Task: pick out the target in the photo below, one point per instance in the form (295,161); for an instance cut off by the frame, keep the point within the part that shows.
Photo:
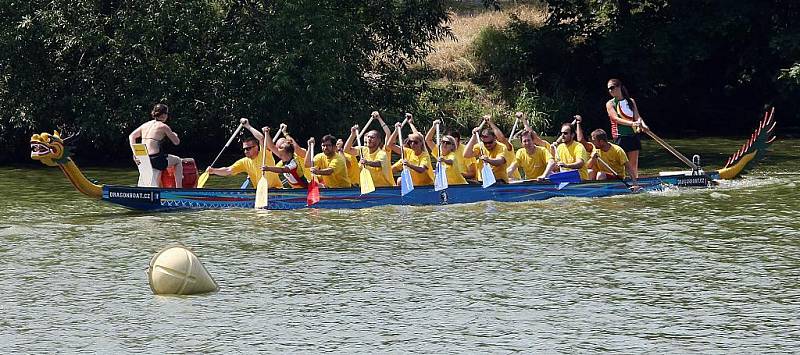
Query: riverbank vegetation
(696,68)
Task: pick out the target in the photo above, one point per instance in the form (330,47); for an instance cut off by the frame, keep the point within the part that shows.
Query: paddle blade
(406,185)
(366,183)
(572,176)
(262,193)
(441,178)
(488,175)
(202,180)
(313,193)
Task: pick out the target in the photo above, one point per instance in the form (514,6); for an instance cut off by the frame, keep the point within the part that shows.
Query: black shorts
(159,161)
(629,143)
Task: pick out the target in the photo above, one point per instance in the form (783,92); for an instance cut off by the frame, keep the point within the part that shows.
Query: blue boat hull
(159,199)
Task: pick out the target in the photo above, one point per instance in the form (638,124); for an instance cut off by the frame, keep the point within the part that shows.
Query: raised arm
(473,139)
(498,133)
(256,134)
(578,130)
(268,139)
(348,145)
(300,151)
(384,126)
(430,134)
(389,141)
(307,160)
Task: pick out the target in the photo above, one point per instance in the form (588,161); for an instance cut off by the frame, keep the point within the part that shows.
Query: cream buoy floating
(175,270)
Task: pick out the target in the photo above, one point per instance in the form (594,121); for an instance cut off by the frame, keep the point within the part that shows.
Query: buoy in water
(175,270)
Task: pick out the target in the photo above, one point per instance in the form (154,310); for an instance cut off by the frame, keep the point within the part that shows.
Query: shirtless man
(152,133)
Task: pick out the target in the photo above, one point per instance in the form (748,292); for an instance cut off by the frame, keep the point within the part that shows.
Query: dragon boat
(52,150)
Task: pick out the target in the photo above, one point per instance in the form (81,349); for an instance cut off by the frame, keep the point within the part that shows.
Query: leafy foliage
(99,66)
(699,65)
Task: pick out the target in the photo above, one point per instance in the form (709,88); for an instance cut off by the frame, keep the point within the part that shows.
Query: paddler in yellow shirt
(536,162)
(513,174)
(467,165)
(329,164)
(416,157)
(353,170)
(373,157)
(449,156)
(494,155)
(252,161)
(614,159)
(571,153)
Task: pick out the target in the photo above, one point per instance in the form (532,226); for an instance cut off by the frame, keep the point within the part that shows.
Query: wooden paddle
(204,177)
(613,171)
(262,190)
(672,150)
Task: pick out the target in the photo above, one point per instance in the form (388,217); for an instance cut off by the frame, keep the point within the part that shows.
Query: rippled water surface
(713,270)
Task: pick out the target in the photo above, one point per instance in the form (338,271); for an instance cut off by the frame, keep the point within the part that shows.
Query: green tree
(99,66)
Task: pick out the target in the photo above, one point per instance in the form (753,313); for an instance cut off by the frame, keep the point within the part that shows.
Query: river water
(682,271)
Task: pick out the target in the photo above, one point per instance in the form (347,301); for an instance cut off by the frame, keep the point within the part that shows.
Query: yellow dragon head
(49,148)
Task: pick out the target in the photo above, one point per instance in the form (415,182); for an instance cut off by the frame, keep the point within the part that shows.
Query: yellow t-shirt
(615,157)
(463,163)
(569,154)
(453,172)
(306,171)
(353,169)
(510,159)
(424,159)
(533,165)
(339,176)
(253,169)
(498,151)
(381,176)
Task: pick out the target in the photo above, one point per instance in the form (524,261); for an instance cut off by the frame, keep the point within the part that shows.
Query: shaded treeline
(696,67)
(99,66)
(706,67)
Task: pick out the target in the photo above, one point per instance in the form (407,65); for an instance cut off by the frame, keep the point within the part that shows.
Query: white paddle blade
(406,185)
(441,178)
(488,175)
(262,193)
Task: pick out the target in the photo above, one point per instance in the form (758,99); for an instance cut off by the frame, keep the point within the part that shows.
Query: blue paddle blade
(488,175)
(406,185)
(572,176)
(441,178)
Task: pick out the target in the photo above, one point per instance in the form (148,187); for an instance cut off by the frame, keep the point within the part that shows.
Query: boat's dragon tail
(751,151)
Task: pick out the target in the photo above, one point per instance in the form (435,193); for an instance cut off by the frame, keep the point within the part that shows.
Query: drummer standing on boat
(152,134)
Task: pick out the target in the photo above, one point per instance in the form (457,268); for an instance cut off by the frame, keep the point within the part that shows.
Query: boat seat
(148,176)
